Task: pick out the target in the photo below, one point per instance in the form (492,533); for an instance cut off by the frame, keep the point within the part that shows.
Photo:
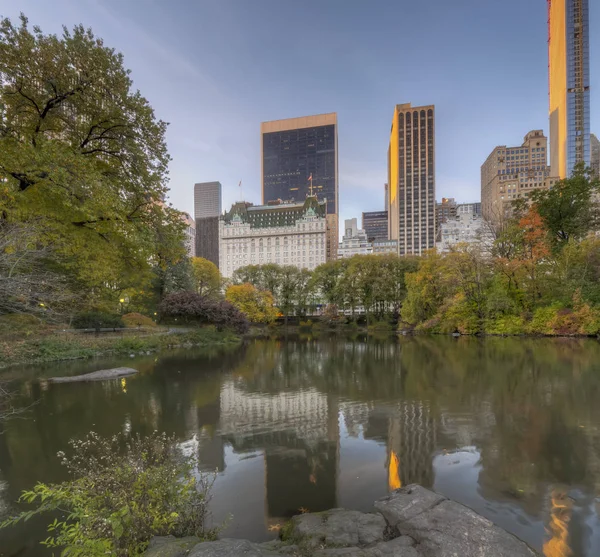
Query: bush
(20,324)
(133,320)
(505,325)
(97,320)
(123,492)
(191,308)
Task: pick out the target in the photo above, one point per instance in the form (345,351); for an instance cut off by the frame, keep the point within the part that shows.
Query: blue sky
(215,69)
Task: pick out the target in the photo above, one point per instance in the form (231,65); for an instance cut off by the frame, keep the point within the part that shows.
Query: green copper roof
(269,216)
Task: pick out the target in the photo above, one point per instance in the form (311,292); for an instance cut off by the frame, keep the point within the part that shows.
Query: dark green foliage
(97,320)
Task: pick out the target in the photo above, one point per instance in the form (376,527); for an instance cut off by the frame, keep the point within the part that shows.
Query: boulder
(406,503)
(443,528)
(100,375)
(338,528)
(231,548)
(170,546)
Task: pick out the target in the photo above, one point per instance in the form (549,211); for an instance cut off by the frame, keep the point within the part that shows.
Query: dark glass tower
(300,155)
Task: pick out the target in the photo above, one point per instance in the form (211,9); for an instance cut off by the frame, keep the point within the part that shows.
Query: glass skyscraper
(300,155)
(569,84)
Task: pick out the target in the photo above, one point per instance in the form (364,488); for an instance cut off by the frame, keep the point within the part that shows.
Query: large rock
(444,528)
(100,375)
(402,546)
(338,528)
(406,503)
(231,548)
(170,546)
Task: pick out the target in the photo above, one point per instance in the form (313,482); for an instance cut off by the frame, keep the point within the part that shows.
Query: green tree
(570,209)
(326,280)
(82,153)
(206,276)
(258,305)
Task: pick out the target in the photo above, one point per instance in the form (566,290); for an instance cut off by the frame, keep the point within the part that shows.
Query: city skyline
(215,88)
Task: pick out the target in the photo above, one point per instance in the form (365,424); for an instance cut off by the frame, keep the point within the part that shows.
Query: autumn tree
(258,305)
(570,209)
(206,277)
(83,152)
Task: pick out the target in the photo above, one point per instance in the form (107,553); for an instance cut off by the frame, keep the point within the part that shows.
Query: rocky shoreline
(410,522)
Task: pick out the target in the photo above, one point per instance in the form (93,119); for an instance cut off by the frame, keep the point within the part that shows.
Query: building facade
(207,208)
(190,234)
(385,246)
(465,228)
(282,233)
(511,173)
(375,224)
(444,211)
(354,241)
(411,178)
(299,157)
(595,154)
(569,84)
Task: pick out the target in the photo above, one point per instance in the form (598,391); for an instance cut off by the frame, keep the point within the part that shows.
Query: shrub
(123,492)
(97,320)
(191,308)
(20,324)
(505,325)
(306,325)
(133,320)
(258,305)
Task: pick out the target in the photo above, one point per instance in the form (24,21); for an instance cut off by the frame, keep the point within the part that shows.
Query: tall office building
(511,173)
(569,84)
(375,224)
(411,178)
(299,157)
(207,209)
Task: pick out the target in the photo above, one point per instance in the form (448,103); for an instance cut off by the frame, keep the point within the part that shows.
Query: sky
(216,69)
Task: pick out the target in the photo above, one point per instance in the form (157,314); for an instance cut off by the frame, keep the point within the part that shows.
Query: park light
(122,300)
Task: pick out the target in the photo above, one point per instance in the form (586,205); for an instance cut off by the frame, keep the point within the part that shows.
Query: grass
(53,348)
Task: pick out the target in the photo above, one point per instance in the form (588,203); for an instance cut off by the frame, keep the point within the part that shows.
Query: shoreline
(65,347)
(79,346)
(409,522)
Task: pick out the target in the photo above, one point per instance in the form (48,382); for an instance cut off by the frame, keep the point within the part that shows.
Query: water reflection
(509,427)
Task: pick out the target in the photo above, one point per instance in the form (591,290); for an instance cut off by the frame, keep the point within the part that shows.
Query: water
(510,427)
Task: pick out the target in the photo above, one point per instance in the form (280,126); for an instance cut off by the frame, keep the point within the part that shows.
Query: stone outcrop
(101,375)
(410,522)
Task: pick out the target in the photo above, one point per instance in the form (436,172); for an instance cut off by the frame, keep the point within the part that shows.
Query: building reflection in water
(495,424)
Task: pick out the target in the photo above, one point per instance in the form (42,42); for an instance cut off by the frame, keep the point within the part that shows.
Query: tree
(82,152)
(191,308)
(570,209)
(258,305)
(28,282)
(206,276)
(326,281)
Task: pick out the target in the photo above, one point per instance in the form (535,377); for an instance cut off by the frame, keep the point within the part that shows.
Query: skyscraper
(207,208)
(411,178)
(375,224)
(569,84)
(299,157)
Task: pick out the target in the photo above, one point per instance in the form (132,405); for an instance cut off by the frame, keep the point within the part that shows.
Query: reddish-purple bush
(188,307)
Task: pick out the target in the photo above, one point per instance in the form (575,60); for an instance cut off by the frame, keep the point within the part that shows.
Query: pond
(509,427)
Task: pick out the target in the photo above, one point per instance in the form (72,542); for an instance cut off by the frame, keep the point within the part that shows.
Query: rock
(399,547)
(100,375)
(443,528)
(406,503)
(231,548)
(170,546)
(338,528)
